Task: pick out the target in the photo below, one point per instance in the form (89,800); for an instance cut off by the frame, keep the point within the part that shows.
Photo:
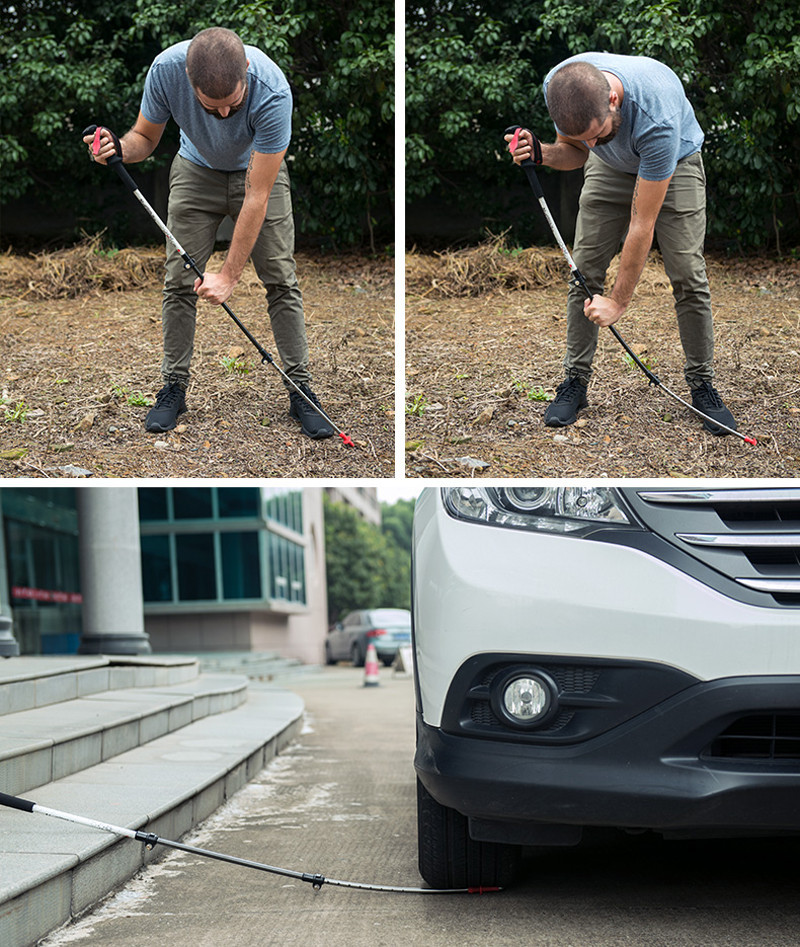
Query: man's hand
(602,310)
(528,146)
(109,145)
(214,287)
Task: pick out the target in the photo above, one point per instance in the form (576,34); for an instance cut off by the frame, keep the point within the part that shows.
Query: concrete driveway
(341,802)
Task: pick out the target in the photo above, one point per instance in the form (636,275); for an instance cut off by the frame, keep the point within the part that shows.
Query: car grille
(766,738)
(751,536)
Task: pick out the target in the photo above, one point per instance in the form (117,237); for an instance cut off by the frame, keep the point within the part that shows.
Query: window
(238,501)
(156,571)
(192,503)
(216,560)
(241,565)
(196,573)
(152,504)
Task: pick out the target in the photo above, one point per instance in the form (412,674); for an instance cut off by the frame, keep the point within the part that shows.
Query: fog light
(526,699)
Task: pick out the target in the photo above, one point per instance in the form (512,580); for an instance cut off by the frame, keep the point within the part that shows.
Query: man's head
(582,103)
(216,65)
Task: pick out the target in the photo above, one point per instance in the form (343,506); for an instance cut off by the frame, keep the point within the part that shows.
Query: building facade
(222,568)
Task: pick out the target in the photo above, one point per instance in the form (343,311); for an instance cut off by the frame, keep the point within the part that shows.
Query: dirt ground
(78,372)
(479,369)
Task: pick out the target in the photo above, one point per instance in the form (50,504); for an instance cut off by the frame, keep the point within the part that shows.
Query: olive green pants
(603,219)
(199,200)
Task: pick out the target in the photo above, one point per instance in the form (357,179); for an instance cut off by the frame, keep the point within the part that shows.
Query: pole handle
(14,802)
(528,165)
(115,162)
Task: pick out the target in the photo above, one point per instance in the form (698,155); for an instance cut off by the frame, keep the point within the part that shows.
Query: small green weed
(138,400)
(535,393)
(646,360)
(17,412)
(233,366)
(417,407)
(135,399)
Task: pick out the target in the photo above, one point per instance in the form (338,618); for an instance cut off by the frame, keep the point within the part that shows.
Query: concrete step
(257,665)
(49,742)
(39,681)
(51,870)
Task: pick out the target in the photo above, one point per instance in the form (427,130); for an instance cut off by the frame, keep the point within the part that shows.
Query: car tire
(328,659)
(449,858)
(356,656)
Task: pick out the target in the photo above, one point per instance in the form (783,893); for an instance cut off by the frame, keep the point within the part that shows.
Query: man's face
(602,132)
(223,108)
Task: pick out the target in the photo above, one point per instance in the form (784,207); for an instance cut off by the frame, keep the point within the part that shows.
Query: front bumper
(654,771)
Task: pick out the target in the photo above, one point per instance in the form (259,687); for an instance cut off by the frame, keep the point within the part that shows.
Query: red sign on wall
(46,595)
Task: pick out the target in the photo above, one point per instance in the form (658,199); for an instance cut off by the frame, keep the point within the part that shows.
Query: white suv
(624,657)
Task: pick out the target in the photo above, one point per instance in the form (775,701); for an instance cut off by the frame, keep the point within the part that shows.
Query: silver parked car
(387,628)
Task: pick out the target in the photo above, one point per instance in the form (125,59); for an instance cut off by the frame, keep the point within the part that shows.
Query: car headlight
(555,509)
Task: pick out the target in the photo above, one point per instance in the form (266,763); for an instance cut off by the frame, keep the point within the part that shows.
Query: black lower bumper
(652,772)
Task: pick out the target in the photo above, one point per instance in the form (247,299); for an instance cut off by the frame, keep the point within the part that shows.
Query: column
(111,571)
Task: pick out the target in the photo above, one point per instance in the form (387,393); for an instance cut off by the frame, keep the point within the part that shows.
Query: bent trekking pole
(150,840)
(578,280)
(115,161)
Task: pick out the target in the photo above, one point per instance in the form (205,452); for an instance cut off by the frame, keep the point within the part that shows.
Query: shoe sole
(159,429)
(558,422)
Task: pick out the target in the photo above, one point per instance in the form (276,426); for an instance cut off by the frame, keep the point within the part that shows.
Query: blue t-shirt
(263,124)
(658,127)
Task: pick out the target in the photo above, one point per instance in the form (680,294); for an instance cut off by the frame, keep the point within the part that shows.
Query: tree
(365,567)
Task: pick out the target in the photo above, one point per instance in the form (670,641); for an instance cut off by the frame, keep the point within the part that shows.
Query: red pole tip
(750,440)
(481,890)
(346,439)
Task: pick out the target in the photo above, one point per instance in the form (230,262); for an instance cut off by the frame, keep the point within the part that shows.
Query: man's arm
(648,196)
(137,144)
(566,154)
(259,180)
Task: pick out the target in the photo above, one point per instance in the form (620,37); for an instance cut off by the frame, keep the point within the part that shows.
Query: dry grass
(86,268)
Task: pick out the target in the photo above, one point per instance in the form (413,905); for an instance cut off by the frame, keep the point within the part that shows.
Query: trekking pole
(115,161)
(150,840)
(578,280)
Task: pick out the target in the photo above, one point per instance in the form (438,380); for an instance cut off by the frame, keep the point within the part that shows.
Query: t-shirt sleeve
(658,149)
(272,123)
(155,107)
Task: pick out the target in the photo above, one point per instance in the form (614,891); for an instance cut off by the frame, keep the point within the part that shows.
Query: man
(626,120)
(233,106)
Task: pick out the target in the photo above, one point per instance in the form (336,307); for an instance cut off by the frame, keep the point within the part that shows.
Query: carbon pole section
(578,280)
(188,263)
(150,840)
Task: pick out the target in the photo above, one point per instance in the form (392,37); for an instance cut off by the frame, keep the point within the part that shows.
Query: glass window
(152,503)
(156,572)
(196,574)
(238,501)
(192,503)
(241,565)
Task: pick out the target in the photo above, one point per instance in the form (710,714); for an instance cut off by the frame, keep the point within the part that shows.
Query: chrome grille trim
(779,586)
(742,540)
(767,495)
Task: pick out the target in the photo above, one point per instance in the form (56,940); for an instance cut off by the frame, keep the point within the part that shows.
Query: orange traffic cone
(371,672)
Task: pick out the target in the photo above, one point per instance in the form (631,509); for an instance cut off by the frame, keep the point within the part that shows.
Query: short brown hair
(577,95)
(216,62)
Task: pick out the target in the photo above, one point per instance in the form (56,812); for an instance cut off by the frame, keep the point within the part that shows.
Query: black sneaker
(170,403)
(313,423)
(570,398)
(706,399)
